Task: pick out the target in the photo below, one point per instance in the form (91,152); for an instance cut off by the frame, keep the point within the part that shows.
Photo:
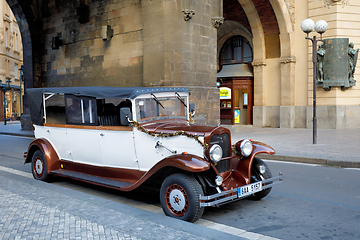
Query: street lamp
(5,87)
(307,26)
(21,71)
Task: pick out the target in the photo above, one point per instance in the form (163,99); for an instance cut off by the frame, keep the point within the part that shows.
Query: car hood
(173,126)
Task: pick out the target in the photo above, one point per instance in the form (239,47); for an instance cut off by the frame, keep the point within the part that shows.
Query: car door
(81,130)
(117,147)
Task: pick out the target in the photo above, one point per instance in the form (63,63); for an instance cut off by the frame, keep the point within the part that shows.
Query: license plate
(249,189)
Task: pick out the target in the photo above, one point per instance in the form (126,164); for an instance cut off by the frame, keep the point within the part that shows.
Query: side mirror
(192,108)
(125,116)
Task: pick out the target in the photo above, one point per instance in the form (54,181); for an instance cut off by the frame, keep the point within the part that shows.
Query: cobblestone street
(31,209)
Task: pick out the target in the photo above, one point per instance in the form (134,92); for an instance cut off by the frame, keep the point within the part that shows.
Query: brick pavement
(31,209)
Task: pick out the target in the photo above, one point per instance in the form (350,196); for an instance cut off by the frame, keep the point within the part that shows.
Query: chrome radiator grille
(224,141)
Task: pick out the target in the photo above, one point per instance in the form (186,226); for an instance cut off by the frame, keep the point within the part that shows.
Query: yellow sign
(225,93)
(237,116)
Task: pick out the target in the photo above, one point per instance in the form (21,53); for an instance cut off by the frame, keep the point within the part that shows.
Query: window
(16,71)
(6,37)
(55,109)
(236,50)
(16,42)
(161,108)
(80,110)
(7,67)
(6,9)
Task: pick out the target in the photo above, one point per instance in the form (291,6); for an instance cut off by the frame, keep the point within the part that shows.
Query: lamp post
(307,26)
(5,87)
(21,71)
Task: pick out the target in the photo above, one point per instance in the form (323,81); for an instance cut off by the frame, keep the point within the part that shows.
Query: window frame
(232,41)
(93,110)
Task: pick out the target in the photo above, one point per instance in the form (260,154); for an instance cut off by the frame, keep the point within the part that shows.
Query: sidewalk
(14,128)
(335,147)
(32,209)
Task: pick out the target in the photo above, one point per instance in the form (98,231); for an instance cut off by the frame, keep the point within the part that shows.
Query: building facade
(255,48)
(11,59)
(267,35)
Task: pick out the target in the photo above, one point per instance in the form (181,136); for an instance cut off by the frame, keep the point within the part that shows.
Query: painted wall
(337,108)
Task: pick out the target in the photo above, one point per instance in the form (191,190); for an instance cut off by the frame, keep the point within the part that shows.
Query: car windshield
(154,108)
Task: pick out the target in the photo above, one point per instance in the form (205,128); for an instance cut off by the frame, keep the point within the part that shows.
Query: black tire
(179,197)
(39,166)
(257,176)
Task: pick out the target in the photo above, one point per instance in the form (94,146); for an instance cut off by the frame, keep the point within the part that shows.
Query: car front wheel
(39,167)
(179,197)
(259,172)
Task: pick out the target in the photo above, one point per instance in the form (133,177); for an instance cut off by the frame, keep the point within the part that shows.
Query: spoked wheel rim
(38,167)
(177,200)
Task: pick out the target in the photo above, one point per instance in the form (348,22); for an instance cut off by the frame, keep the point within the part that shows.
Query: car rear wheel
(260,175)
(39,167)
(179,197)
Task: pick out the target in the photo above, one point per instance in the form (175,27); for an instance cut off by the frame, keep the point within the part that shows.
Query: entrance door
(237,109)
(243,100)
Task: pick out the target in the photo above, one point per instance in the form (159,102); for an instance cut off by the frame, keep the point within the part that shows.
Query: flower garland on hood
(177,133)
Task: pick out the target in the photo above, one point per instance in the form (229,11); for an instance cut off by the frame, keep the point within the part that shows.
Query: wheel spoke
(177,200)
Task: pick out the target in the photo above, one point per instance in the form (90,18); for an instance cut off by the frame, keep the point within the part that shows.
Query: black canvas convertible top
(35,95)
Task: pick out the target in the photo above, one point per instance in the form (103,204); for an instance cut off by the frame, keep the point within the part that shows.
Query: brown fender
(187,162)
(51,157)
(242,166)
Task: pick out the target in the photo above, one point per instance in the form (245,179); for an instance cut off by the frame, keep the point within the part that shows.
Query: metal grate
(224,141)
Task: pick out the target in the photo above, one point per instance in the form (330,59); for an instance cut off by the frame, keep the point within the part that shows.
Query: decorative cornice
(329,3)
(258,64)
(217,21)
(188,13)
(288,60)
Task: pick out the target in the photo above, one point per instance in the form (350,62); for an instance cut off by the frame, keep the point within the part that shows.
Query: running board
(90,179)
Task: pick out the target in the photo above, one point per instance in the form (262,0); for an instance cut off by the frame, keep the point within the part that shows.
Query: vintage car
(126,138)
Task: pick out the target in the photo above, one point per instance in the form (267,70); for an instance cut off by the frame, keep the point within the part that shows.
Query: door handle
(101,134)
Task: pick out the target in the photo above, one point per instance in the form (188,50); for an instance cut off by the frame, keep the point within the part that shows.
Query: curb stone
(326,162)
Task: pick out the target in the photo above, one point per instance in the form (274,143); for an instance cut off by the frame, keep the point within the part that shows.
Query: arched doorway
(235,80)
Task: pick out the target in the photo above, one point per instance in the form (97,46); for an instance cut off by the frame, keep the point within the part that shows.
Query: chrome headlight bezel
(215,153)
(218,180)
(246,148)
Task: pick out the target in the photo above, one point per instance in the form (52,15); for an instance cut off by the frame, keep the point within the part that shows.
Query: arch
(256,28)
(259,52)
(228,30)
(25,30)
(231,28)
(287,53)
(26,22)
(287,62)
(236,57)
(285,26)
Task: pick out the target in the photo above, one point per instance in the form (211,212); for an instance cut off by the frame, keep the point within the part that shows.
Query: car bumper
(238,193)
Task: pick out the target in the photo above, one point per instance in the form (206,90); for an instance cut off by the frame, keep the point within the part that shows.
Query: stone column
(259,111)
(287,108)
(180,50)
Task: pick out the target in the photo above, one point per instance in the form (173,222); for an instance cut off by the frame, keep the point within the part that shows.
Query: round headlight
(215,153)
(246,148)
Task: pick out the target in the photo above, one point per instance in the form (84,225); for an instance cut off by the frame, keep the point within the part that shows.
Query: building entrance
(236,94)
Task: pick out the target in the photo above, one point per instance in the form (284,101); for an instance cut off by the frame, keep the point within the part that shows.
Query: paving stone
(26,212)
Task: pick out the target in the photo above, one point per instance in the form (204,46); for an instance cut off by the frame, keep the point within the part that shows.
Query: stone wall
(152,45)
(84,58)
